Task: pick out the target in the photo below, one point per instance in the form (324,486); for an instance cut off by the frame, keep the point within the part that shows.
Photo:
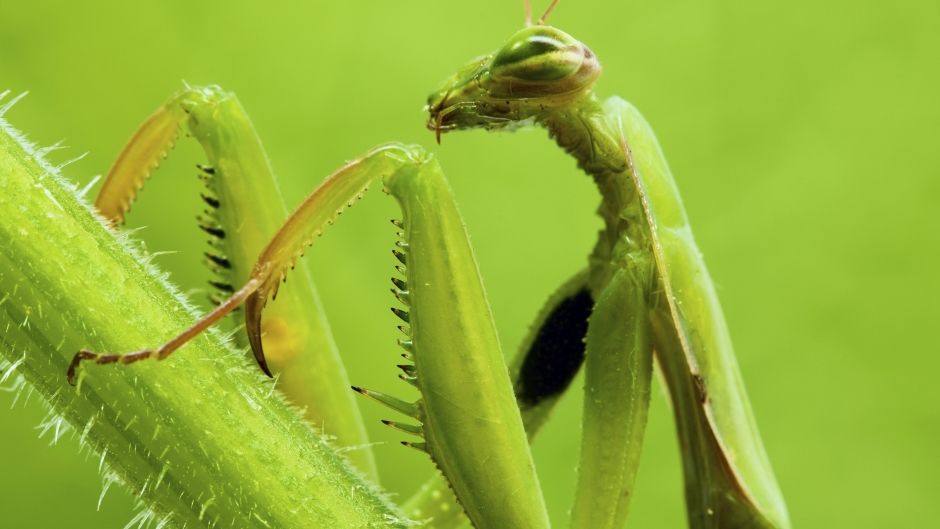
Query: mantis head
(538,69)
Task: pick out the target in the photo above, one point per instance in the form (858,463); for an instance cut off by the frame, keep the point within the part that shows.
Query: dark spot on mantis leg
(219,260)
(700,389)
(403,314)
(214,231)
(211,201)
(76,360)
(557,352)
(224,287)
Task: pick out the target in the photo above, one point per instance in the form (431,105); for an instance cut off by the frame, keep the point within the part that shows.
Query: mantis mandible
(645,294)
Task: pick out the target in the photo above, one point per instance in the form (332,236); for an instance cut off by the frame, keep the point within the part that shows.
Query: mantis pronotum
(645,294)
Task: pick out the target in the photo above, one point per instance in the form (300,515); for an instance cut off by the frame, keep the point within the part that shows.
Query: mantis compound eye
(541,54)
(539,69)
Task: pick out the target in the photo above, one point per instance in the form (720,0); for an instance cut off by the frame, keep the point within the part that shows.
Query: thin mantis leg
(243,211)
(170,347)
(306,223)
(458,365)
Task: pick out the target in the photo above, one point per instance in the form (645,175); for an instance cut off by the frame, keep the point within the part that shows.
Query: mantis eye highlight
(539,53)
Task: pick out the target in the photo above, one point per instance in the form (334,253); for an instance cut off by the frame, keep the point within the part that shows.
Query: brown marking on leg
(77,359)
(130,358)
(107,359)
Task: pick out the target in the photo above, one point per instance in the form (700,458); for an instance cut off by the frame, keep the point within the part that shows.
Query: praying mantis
(644,296)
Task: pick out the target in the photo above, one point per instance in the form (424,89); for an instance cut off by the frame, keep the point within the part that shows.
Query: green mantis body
(645,290)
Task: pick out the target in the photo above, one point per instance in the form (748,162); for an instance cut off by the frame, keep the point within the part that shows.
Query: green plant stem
(202,437)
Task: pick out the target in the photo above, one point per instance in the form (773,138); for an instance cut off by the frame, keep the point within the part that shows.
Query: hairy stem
(202,438)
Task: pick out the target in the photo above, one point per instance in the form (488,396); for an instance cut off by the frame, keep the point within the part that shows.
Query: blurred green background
(804,136)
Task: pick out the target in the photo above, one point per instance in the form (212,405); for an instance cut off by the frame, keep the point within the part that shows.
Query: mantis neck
(593,136)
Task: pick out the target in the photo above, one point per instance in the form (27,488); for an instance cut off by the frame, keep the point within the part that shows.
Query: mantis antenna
(548,11)
(541,20)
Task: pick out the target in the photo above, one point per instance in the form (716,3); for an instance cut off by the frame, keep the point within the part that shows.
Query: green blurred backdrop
(804,136)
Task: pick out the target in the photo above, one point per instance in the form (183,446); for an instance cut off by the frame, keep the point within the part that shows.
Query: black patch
(557,352)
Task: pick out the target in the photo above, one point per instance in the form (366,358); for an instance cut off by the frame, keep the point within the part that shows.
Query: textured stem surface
(202,438)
